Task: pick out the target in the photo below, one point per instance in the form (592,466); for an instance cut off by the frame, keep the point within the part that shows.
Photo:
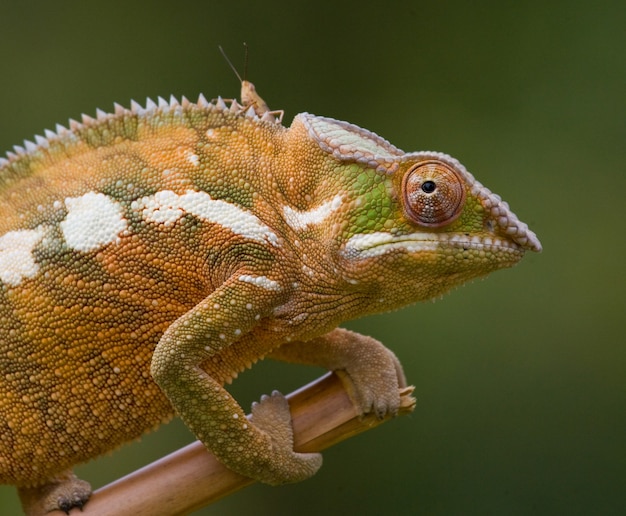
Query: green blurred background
(520,379)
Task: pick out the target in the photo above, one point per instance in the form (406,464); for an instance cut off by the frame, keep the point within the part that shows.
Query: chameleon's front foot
(261,448)
(371,373)
(271,415)
(64,493)
(372,376)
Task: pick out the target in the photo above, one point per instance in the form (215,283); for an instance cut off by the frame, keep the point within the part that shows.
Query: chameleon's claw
(64,493)
(271,415)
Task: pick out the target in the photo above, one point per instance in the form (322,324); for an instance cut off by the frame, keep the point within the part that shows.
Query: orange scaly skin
(150,255)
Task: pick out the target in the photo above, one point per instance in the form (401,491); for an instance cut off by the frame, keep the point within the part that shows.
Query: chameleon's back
(94,268)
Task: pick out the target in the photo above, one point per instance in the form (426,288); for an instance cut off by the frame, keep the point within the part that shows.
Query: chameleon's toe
(271,415)
(64,493)
(373,378)
(74,496)
(381,397)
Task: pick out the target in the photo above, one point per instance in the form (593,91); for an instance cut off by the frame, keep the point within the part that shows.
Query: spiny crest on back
(106,127)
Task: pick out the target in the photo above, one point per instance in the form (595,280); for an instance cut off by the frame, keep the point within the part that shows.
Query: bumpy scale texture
(150,255)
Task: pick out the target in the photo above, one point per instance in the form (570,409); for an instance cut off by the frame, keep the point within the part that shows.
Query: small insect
(249,97)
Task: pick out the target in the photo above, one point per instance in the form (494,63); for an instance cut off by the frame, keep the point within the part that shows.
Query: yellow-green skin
(150,255)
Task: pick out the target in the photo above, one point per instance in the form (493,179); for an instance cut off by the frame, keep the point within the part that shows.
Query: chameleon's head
(417,224)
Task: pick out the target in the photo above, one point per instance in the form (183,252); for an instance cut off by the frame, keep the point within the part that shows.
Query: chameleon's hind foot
(64,493)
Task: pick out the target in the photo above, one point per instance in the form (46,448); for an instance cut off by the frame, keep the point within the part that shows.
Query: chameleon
(151,254)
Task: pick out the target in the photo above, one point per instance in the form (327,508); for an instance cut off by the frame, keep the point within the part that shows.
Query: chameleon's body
(182,242)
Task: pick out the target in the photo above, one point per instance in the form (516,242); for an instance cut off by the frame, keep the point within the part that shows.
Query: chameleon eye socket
(432,193)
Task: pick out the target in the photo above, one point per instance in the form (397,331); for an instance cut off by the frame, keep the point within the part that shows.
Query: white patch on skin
(193,158)
(261,281)
(299,220)
(160,208)
(93,220)
(16,255)
(166,207)
(376,244)
(228,215)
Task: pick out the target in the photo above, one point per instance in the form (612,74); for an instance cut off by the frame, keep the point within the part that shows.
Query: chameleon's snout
(507,223)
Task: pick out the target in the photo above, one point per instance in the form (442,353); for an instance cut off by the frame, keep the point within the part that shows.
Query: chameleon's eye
(433,193)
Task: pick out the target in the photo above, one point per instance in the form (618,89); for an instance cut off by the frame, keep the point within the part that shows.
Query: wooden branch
(191,477)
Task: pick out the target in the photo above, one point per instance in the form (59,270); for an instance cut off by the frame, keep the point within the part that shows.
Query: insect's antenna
(245,61)
(232,66)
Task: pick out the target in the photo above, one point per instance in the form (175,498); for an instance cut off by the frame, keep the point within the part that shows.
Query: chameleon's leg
(261,449)
(372,374)
(64,492)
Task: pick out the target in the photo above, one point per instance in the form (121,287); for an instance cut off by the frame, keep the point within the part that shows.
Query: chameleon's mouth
(376,244)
